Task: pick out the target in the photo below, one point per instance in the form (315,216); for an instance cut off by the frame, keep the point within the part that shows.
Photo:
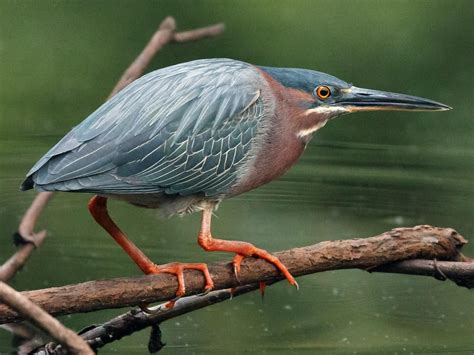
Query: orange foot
(242,249)
(178,269)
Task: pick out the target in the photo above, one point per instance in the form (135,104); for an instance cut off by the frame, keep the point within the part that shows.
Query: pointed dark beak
(357,99)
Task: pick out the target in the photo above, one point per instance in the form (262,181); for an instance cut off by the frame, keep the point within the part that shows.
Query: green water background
(362,174)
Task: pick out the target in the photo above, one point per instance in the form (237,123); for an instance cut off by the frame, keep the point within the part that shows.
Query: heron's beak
(357,99)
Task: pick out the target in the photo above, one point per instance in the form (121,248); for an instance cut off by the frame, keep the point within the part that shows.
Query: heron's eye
(323,92)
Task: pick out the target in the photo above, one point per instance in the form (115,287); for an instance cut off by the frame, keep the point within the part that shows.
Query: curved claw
(170,304)
(237,261)
(263,254)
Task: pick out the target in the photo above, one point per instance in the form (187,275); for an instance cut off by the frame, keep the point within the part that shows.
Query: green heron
(183,138)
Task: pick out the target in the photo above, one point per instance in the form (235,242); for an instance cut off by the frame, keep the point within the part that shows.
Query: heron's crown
(304,79)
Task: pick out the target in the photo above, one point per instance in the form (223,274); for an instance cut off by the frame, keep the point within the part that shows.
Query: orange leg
(98,209)
(242,249)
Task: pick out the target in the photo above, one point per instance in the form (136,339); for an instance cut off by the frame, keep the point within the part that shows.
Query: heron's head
(328,97)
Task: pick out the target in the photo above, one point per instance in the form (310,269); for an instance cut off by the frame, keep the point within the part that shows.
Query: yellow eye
(323,92)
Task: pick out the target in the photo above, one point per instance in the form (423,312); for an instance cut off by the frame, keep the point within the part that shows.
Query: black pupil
(324,92)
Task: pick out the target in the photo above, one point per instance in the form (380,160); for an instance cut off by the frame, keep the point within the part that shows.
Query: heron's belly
(167,205)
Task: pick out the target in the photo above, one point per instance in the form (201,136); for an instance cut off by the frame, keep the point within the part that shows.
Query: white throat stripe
(308,131)
(327,110)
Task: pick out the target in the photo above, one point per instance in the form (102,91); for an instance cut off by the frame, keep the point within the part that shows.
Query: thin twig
(368,253)
(28,222)
(26,231)
(197,34)
(30,311)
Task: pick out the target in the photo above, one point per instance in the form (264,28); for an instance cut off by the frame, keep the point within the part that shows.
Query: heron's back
(186,129)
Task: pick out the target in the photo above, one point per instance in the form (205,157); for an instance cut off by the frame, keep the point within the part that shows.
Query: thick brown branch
(73,342)
(423,242)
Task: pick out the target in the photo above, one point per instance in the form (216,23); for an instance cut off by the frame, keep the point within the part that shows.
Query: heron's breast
(276,150)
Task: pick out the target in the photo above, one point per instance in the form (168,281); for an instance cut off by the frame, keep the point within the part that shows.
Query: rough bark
(421,242)
(97,336)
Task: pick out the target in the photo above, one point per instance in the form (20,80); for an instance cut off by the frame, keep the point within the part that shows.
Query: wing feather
(178,130)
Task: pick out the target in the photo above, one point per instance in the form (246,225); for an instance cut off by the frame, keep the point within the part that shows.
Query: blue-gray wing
(183,130)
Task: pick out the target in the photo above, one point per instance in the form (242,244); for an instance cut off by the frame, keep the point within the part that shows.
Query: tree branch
(423,242)
(73,342)
(136,320)
(461,273)
(26,232)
